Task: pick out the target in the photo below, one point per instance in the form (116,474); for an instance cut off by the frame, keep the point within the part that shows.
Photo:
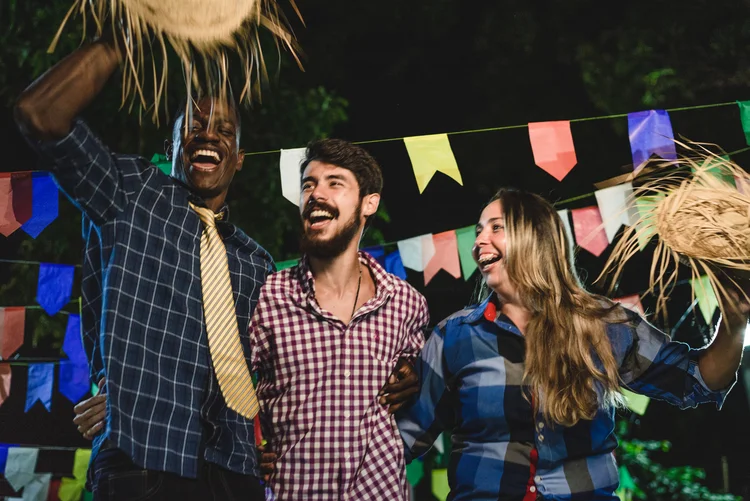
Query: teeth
(485,258)
(206,153)
(321,213)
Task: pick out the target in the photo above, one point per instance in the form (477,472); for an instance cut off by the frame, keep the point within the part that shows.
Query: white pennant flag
(20,466)
(565,216)
(38,488)
(617,207)
(289,164)
(416,252)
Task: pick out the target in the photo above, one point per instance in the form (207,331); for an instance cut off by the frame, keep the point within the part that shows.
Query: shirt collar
(487,311)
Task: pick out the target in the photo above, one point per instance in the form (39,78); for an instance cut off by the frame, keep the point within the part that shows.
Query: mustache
(311,206)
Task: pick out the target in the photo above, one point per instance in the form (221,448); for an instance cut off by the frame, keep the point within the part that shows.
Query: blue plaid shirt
(471,371)
(143,308)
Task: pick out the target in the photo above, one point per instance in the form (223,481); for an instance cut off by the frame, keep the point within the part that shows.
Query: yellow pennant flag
(431,154)
(71,488)
(707,300)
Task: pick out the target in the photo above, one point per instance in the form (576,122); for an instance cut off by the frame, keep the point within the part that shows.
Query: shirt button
(541,425)
(532,489)
(541,438)
(537,479)
(347,373)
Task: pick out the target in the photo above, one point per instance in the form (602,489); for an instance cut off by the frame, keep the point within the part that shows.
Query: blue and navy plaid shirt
(471,370)
(143,308)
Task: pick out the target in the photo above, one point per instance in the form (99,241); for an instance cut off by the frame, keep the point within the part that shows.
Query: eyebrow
(337,177)
(479,226)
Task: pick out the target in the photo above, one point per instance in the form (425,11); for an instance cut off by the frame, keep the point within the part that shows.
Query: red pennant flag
(632,302)
(5,374)
(589,230)
(8,222)
(12,323)
(552,144)
(22,186)
(445,258)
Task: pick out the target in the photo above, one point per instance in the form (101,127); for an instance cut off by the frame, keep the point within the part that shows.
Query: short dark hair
(350,157)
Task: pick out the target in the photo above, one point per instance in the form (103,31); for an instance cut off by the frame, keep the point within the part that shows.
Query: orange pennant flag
(8,221)
(632,302)
(445,258)
(12,323)
(552,144)
(589,229)
(5,374)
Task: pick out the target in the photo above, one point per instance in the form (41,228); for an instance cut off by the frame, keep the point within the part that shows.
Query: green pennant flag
(707,300)
(635,402)
(415,472)
(440,487)
(466,237)
(645,206)
(718,171)
(283,265)
(161,161)
(745,118)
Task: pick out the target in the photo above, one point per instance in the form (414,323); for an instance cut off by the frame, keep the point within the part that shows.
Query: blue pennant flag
(650,133)
(393,264)
(4,455)
(55,286)
(74,380)
(44,203)
(73,343)
(377,252)
(39,386)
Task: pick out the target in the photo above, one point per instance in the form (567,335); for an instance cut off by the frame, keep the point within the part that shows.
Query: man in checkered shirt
(326,335)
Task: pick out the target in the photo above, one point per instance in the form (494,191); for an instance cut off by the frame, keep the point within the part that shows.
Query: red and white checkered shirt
(318,383)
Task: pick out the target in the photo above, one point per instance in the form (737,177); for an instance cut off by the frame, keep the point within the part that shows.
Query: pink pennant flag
(5,374)
(632,302)
(589,230)
(445,258)
(552,144)
(8,221)
(12,323)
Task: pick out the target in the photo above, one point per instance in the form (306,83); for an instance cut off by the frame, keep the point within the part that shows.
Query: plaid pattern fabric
(318,384)
(143,311)
(471,371)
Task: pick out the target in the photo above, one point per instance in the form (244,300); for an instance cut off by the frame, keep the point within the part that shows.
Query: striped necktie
(224,344)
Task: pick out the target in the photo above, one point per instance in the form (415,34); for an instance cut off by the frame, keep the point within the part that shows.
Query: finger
(268,457)
(91,432)
(88,403)
(100,408)
(402,396)
(102,382)
(400,385)
(395,407)
(90,419)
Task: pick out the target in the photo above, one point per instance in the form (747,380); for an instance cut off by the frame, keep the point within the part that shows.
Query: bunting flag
(632,302)
(163,163)
(431,154)
(415,471)
(590,235)
(707,300)
(552,145)
(465,238)
(12,325)
(44,204)
(20,466)
(39,386)
(71,488)
(565,217)
(635,402)
(744,107)
(4,456)
(650,133)
(38,487)
(289,169)
(645,231)
(715,169)
(6,374)
(416,252)
(73,342)
(8,221)
(394,265)
(617,207)
(445,258)
(22,185)
(55,286)
(283,265)
(440,486)
(74,380)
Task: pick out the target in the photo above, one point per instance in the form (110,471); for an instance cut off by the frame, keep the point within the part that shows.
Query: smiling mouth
(205,159)
(319,218)
(486,260)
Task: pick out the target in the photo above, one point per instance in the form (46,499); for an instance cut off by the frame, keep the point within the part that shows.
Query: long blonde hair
(570,368)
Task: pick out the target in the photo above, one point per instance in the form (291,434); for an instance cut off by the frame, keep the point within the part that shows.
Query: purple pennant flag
(74,380)
(55,286)
(39,386)
(650,133)
(44,204)
(393,264)
(73,344)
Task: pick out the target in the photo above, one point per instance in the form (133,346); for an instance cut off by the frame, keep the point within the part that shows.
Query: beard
(337,244)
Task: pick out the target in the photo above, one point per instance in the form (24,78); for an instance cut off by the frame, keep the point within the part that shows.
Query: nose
(480,240)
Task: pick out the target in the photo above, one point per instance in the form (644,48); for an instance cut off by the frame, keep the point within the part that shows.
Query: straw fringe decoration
(700,215)
(201,32)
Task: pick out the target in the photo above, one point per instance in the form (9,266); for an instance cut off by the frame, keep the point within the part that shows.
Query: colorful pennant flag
(20,466)
(22,185)
(744,107)
(283,265)
(163,163)
(4,455)
(552,145)
(707,300)
(465,238)
(590,235)
(12,325)
(565,217)
(289,165)
(6,374)
(632,302)
(650,133)
(415,472)
(645,206)
(713,166)
(617,207)
(431,154)
(416,252)
(445,258)
(394,265)
(71,488)
(44,204)
(55,286)
(440,486)
(39,385)
(38,488)
(635,402)
(8,221)
(73,342)
(74,380)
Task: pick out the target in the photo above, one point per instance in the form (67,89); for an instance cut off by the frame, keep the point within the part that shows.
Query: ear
(240,159)
(168,149)
(370,204)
